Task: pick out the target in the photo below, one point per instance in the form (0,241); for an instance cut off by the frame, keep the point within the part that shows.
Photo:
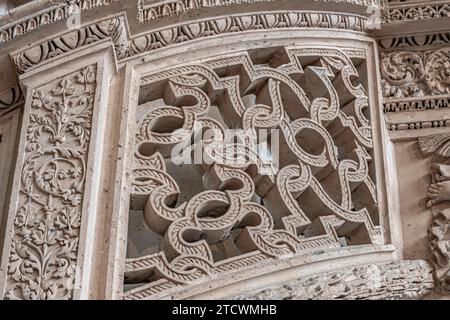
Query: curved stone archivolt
(309,187)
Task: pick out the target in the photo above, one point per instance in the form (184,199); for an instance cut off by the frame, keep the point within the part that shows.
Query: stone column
(51,220)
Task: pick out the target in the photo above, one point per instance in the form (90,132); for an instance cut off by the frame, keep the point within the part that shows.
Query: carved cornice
(408,113)
(49,15)
(50,12)
(414,42)
(414,125)
(421,103)
(242,23)
(115,29)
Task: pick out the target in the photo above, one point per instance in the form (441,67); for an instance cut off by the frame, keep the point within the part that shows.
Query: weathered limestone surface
(224,149)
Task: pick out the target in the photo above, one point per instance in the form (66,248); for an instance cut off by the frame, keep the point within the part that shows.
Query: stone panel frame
(137,69)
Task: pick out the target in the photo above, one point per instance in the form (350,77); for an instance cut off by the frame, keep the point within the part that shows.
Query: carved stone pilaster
(53,201)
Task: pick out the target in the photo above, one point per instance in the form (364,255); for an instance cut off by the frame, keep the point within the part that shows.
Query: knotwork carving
(323,196)
(414,74)
(43,256)
(439,192)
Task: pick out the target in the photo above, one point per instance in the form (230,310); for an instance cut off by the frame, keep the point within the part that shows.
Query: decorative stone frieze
(10,98)
(415,77)
(414,41)
(244,217)
(111,29)
(45,250)
(245,22)
(439,192)
(159,10)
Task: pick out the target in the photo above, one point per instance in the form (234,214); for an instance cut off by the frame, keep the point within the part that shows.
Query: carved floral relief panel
(235,212)
(44,247)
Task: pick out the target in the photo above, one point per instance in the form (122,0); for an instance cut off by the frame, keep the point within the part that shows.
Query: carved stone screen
(296,176)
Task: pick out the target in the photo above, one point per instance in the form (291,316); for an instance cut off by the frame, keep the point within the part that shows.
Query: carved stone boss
(46,251)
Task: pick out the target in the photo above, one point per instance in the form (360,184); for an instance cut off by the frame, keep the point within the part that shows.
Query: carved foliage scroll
(115,29)
(417,11)
(439,192)
(44,246)
(323,196)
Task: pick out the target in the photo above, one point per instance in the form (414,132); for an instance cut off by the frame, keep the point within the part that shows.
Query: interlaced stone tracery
(323,191)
